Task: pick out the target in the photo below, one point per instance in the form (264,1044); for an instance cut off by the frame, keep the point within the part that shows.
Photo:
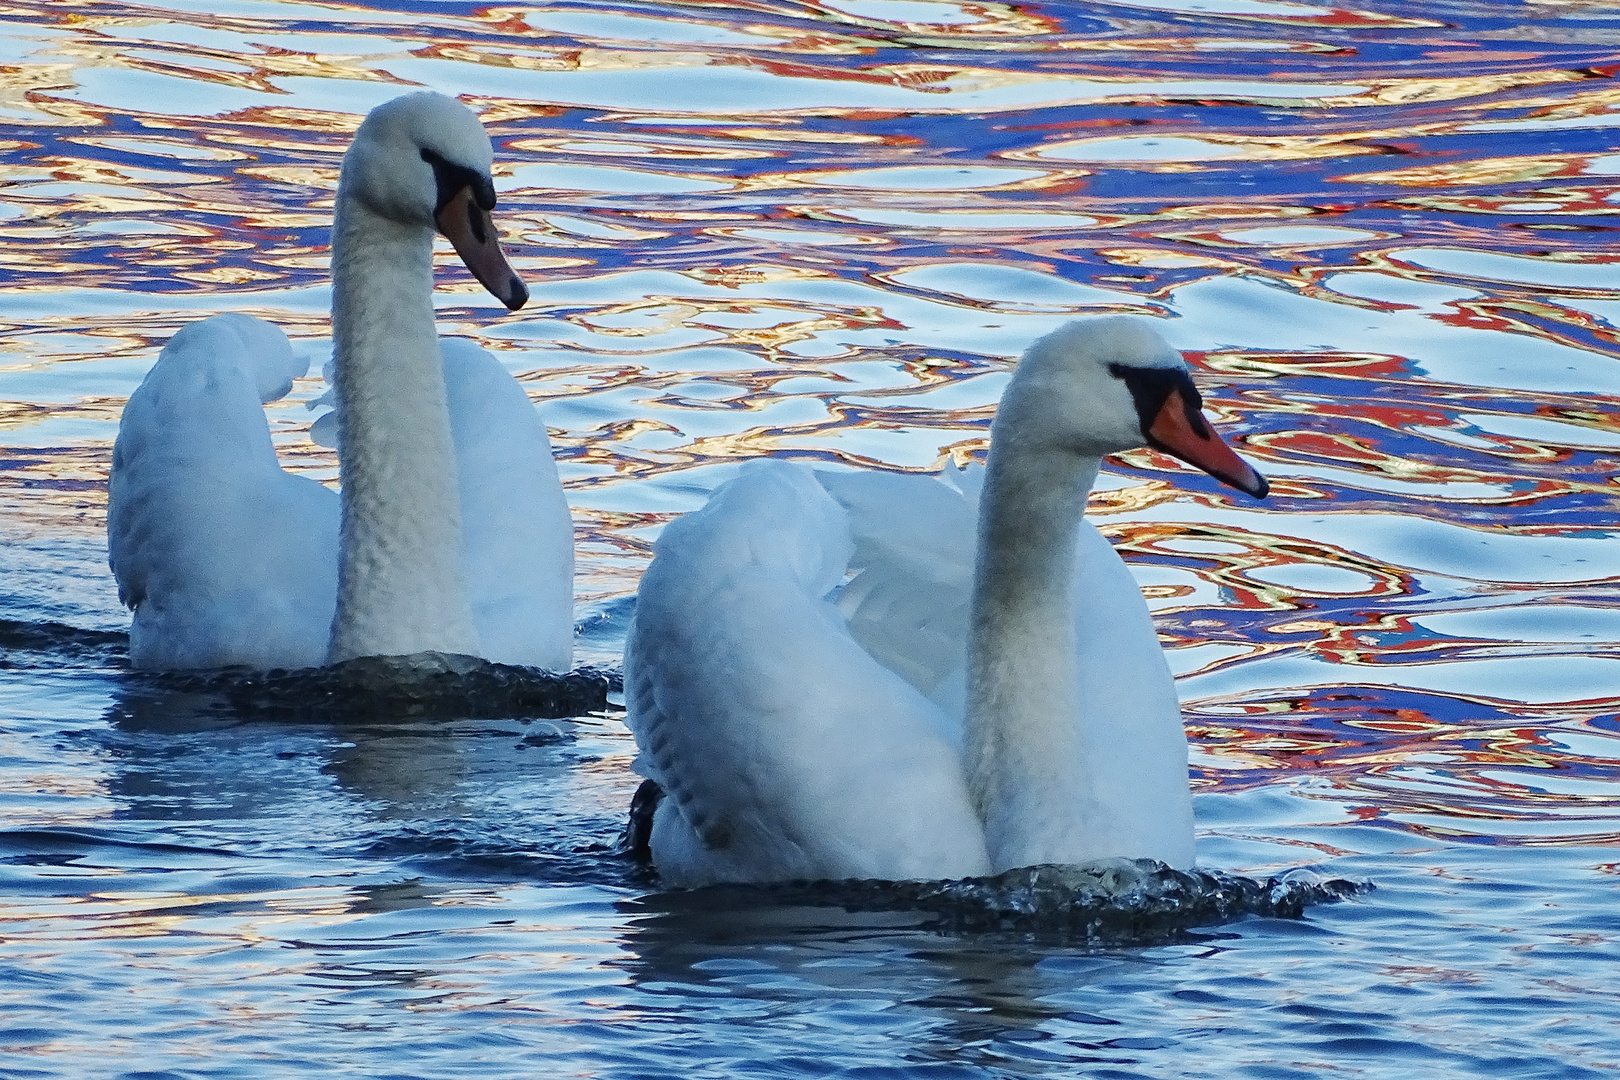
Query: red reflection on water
(1440,767)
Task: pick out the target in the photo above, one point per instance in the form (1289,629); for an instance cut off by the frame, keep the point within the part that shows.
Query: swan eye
(1151,387)
(451,180)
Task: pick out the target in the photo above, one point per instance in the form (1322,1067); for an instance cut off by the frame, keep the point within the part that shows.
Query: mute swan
(913,723)
(451,532)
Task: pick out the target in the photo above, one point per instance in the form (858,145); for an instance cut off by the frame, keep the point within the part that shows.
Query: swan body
(451,533)
(985,692)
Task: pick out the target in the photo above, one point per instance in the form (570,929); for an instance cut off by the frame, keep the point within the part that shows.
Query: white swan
(451,533)
(908,723)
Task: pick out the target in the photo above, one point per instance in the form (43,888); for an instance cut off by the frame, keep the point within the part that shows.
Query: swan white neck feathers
(395,579)
(401,586)
(787,749)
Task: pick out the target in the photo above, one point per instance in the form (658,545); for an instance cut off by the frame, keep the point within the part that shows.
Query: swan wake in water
(1111,902)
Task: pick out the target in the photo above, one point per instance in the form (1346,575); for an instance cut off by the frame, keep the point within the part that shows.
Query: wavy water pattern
(1384,235)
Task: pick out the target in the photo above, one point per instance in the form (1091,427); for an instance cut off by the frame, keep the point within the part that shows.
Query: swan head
(425,160)
(1099,386)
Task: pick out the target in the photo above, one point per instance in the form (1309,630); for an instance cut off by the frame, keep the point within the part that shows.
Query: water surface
(1385,237)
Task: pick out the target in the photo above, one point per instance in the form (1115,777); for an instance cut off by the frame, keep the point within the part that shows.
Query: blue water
(1386,238)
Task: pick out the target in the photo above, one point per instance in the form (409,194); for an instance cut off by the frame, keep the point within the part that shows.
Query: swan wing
(785,750)
(516,529)
(914,541)
(1133,746)
(224,557)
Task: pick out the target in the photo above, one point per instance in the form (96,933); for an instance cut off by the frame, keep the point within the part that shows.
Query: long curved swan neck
(401,584)
(1022,742)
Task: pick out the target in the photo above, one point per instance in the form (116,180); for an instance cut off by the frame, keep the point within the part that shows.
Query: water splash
(1108,903)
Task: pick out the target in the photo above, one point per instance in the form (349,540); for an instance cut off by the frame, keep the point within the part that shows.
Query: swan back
(909,607)
(517,534)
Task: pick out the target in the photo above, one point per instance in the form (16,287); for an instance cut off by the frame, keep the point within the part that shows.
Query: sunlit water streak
(823,230)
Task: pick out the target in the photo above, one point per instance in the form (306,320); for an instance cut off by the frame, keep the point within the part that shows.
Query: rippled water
(1386,236)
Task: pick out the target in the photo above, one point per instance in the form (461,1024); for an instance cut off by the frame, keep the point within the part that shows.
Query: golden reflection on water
(719,281)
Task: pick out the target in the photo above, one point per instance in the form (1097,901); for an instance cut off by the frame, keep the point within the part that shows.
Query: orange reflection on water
(1514,170)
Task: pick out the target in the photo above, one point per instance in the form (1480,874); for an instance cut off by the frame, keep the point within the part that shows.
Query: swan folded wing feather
(910,518)
(914,550)
(224,557)
(1143,805)
(783,746)
(516,529)
(693,671)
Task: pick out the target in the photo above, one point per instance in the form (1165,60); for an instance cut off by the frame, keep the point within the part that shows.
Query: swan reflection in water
(963,998)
